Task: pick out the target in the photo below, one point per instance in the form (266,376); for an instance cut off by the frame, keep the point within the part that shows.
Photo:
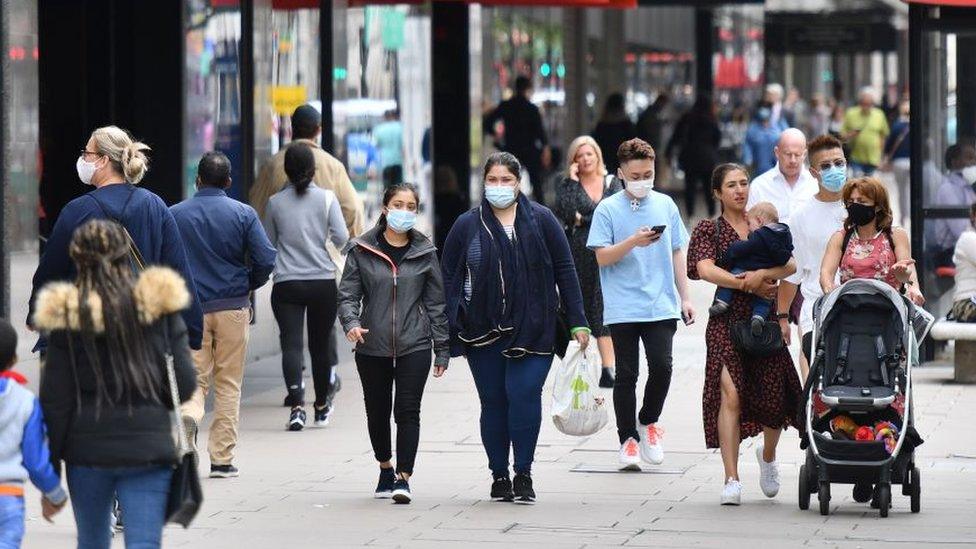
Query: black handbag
(769,342)
(185,492)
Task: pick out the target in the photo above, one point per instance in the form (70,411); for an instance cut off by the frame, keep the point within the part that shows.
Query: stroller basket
(850,450)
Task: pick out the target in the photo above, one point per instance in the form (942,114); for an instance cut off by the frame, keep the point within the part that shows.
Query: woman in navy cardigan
(503,262)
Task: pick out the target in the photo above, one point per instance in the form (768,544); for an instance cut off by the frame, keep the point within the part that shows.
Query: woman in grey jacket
(391,305)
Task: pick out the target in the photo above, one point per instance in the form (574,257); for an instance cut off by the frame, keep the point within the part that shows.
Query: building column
(704,49)
(574,59)
(613,77)
(451,128)
(4,145)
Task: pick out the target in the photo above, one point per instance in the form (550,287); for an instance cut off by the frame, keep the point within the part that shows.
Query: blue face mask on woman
(401,221)
(500,196)
(833,178)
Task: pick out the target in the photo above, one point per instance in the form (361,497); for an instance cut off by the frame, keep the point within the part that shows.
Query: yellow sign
(288,98)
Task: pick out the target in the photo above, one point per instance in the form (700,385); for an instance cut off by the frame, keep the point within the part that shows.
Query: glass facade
(382,99)
(213,118)
(949,146)
(23,162)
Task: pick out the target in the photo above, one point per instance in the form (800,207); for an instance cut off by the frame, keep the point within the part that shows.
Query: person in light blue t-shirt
(639,240)
(388,136)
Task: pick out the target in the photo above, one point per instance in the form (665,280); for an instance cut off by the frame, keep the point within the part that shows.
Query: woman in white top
(964,300)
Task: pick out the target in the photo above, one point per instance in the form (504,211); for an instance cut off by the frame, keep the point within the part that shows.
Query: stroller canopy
(865,287)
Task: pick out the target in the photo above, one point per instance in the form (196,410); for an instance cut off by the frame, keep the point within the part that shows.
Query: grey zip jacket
(402,306)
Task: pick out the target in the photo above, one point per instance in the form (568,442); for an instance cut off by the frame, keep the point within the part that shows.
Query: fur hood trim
(159,291)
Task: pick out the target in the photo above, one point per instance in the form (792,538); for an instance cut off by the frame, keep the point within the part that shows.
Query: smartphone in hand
(658,229)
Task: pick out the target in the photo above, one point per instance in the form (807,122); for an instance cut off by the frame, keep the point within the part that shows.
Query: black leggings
(291,301)
(397,389)
(657,338)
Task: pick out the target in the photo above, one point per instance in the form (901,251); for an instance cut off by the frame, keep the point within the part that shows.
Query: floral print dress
(871,258)
(769,388)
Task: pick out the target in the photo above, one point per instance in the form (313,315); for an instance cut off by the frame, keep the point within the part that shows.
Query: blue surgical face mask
(401,221)
(500,196)
(764,114)
(833,179)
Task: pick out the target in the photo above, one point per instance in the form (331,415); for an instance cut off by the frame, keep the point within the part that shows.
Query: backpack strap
(849,234)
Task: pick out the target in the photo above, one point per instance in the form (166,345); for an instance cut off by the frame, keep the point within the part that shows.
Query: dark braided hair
(100,250)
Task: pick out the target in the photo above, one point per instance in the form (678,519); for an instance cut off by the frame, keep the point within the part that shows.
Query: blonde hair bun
(127,156)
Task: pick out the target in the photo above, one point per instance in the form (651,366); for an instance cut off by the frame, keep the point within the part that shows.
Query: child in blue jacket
(24,452)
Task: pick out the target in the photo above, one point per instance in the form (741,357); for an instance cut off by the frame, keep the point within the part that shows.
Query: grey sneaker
(191,429)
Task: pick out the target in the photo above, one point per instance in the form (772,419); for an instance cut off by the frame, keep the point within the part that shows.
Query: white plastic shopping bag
(577,407)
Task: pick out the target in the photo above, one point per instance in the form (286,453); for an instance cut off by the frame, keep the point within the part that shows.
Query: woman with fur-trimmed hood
(104,388)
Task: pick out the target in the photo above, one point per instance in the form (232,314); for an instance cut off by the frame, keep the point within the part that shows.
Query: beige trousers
(220,364)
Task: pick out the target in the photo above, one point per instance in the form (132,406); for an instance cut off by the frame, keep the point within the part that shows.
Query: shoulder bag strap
(182,447)
(134,254)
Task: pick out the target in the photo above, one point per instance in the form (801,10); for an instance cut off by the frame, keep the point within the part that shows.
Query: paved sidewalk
(314,488)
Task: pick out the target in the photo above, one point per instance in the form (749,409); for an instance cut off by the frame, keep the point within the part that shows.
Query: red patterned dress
(769,388)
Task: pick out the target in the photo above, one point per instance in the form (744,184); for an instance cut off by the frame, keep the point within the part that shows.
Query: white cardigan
(965,260)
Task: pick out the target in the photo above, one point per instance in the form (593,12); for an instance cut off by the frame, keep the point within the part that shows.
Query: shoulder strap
(715,237)
(182,443)
(138,263)
(848,235)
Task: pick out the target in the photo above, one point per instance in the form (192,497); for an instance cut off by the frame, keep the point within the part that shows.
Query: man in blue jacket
(230,256)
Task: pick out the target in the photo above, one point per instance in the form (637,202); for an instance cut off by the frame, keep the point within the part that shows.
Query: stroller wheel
(884,498)
(916,494)
(804,489)
(862,492)
(824,495)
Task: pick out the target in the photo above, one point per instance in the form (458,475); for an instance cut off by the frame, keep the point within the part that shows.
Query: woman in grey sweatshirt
(300,220)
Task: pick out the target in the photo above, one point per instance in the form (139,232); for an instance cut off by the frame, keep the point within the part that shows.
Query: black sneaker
(384,488)
(524,493)
(322,415)
(606,378)
(757,325)
(296,422)
(719,307)
(401,491)
(224,471)
(501,489)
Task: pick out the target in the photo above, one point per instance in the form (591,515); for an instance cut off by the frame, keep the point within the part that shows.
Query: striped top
(474,258)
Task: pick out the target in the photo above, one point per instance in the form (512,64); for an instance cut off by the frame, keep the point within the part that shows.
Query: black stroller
(866,338)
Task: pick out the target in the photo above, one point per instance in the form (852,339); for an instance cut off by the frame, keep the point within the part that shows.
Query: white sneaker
(630,455)
(651,449)
(768,474)
(732,493)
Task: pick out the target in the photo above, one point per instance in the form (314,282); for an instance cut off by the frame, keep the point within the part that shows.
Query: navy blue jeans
(142,493)
(760,306)
(510,390)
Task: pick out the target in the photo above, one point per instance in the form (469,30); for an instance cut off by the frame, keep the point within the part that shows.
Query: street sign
(288,98)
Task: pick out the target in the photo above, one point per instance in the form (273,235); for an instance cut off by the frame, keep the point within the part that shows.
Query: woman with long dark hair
(300,219)
(503,262)
(391,305)
(104,388)
(743,396)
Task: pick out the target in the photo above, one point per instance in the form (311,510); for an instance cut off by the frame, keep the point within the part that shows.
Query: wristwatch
(782,316)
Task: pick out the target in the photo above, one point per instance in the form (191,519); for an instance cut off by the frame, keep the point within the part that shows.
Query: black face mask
(859,214)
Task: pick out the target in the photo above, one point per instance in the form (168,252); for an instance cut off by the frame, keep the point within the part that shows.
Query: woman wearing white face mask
(502,263)
(113,163)
(391,305)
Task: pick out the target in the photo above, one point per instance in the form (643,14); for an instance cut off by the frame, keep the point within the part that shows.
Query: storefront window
(948,149)
(23,157)
(213,89)
(382,104)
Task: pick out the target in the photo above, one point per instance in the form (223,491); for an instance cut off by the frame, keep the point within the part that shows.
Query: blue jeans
(11,521)
(859,169)
(760,306)
(142,493)
(510,390)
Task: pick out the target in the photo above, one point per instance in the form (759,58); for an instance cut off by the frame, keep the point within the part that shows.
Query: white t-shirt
(965,260)
(772,187)
(812,225)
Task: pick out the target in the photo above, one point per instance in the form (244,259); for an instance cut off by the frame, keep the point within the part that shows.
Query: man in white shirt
(788,183)
(812,225)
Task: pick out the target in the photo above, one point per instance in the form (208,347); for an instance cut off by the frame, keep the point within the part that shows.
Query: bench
(964,334)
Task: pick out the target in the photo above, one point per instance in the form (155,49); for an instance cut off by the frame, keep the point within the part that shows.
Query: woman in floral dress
(874,249)
(743,396)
